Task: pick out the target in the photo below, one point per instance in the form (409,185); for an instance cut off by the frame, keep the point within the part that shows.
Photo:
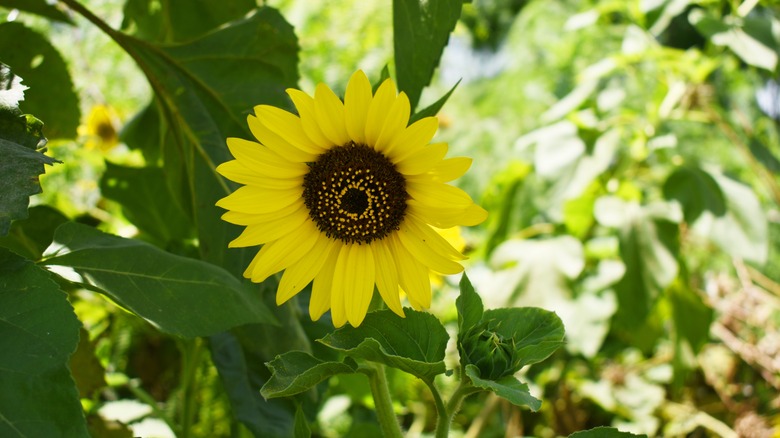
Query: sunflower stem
(444,418)
(388,422)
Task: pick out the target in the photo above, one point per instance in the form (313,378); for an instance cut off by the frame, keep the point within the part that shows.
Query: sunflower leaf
(603,432)
(420,33)
(297,371)
(507,387)
(414,344)
(31,56)
(204,89)
(433,108)
(39,7)
(21,146)
(179,295)
(469,306)
(537,333)
(38,334)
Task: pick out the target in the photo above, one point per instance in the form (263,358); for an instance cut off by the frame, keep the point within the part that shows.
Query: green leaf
(297,371)
(747,38)
(434,108)
(469,306)
(31,56)
(302,429)
(180,20)
(205,89)
(507,387)
(40,7)
(537,333)
(414,344)
(146,201)
(29,238)
(87,370)
(178,295)
(649,245)
(23,160)
(420,33)
(239,372)
(603,432)
(696,191)
(144,132)
(38,333)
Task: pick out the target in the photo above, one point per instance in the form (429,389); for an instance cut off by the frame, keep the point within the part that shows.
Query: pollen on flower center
(355,194)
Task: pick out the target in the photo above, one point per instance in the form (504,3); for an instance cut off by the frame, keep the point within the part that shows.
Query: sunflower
(345,195)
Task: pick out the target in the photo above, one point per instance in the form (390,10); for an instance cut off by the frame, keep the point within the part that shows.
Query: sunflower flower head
(345,195)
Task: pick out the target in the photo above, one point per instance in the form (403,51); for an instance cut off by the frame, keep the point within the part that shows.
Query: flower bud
(484,347)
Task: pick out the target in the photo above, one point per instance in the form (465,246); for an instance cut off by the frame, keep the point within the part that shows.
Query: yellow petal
(445,171)
(416,243)
(387,277)
(413,276)
(341,277)
(395,122)
(274,142)
(358,282)
(434,239)
(297,276)
(264,161)
(287,126)
(330,115)
(422,160)
(264,232)
(377,111)
(249,199)
(309,122)
(412,139)
(357,100)
(234,170)
(240,218)
(438,194)
(279,254)
(323,283)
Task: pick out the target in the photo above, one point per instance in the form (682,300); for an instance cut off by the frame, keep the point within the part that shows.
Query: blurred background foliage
(627,151)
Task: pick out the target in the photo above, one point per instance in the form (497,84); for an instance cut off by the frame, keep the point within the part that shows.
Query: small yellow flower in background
(100,130)
(345,195)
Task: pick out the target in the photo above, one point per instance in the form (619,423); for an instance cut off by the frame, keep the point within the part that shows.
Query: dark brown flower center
(355,194)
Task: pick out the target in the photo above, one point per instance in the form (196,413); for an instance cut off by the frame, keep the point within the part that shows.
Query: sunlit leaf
(469,306)
(179,295)
(38,333)
(297,371)
(420,33)
(180,20)
(31,56)
(537,333)
(433,108)
(603,432)
(414,344)
(749,38)
(508,388)
(21,146)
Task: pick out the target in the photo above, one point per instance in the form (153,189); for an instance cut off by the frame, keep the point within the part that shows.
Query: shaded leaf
(507,387)
(87,371)
(420,33)
(144,132)
(696,191)
(39,7)
(179,295)
(747,38)
(30,237)
(414,344)
(205,89)
(302,429)
(21,146)
(38,333)
(266,418)
(180,20)
(603,432)
(469,306)
(31,56)
(146,201)
(297,371)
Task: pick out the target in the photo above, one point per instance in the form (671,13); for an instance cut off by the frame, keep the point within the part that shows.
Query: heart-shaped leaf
(537,333)
(414,344)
